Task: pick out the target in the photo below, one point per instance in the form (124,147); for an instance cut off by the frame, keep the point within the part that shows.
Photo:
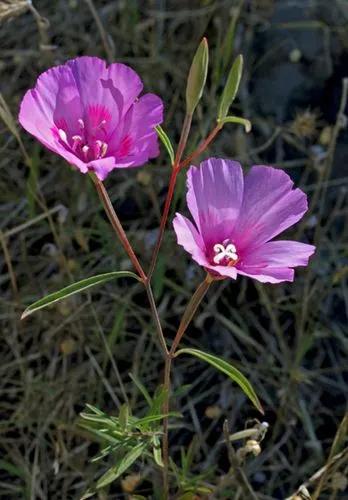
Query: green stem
(117,226)
(185,321)
(190,310)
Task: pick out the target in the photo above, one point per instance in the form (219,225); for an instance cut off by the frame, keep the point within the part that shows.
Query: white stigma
(229,251)
(81,123)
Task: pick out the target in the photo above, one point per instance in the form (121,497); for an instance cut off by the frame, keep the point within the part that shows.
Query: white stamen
(102,148)
(62,135)
(85,150)
(222,252)
(77,139)
(81,123)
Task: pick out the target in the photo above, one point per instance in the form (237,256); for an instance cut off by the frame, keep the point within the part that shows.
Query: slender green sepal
(166,142)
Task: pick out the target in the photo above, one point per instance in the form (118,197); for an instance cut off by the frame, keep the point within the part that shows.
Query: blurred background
(289,339)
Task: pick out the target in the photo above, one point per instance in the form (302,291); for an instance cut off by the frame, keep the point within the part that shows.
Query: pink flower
(90,114)
(236,218)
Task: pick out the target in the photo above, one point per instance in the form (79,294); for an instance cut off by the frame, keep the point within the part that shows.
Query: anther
(81,123)
(62,135)
(85,150)
(222,252)
(104,148)
(101,148)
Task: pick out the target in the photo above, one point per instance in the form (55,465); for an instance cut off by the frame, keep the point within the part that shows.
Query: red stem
(164,219)
(176,168)
(116,224)
(202,147)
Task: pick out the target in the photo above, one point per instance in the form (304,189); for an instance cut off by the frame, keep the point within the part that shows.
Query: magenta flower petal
(214,198)
(269,275)
(102,167)
(235,220)
(90,114)
(277,254)
(137,142)
(224,271)
(270,206)
(188,237)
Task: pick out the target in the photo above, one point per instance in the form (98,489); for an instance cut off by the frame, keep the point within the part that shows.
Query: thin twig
(107,46)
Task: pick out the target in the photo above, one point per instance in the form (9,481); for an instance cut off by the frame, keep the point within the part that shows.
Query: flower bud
(197,76)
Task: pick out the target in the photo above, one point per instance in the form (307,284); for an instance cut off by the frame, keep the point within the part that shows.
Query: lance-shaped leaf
(122,465)
(229,370)
(231,87)
(166,142)
(197,77)
(79,286)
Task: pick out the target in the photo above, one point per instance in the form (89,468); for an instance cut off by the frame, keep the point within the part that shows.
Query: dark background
(289,339)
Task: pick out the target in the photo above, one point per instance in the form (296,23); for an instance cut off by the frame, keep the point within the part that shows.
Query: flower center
(225,254)
(87,149)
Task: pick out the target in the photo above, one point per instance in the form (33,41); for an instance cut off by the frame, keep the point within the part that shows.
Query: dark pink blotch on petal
(89,113)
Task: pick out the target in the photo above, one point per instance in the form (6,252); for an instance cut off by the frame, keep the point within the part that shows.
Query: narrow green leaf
(77,287)
(122,465)
(123,416)
(229,370)
(236,119)
(157,452)
(141,422)
(141,388)
(158,401)
(231,87)
(166,142)
(197,76)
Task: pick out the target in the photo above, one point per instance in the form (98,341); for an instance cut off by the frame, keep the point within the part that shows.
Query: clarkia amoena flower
(236,217)
(90,114)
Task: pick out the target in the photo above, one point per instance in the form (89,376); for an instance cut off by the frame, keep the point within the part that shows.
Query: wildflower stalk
(117,226)
(175,170)
(190,310)
(177,167)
